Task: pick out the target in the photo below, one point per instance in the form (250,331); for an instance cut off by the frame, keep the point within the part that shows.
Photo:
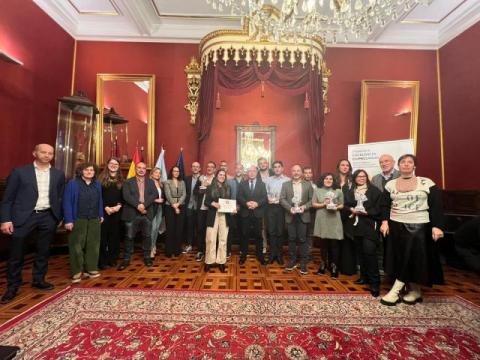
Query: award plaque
(296,205)
(227,206)
(361,198)
(274,198)
(331,200)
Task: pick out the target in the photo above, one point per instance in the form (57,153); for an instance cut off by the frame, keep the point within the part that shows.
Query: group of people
(392,220)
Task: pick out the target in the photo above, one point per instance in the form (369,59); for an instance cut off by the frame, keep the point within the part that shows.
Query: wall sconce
(9,58)
(193,73)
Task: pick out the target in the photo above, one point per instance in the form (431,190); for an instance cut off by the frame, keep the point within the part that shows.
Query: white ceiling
(424,27)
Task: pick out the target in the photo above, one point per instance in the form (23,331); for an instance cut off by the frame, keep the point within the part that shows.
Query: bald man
(32,201)
(387,163)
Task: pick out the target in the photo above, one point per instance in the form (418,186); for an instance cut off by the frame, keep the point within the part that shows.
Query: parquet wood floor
(185,273)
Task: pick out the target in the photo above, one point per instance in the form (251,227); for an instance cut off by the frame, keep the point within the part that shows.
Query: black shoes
(375,290)
(42,285)
(9,295)
(321,269)
(148,262)
(262,261)
(334,271)
(361,281)
(242,260)
(123,266)
(222,268)
(207,268)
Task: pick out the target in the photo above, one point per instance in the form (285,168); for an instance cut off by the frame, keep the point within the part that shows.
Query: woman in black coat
(363,201)
(217,222)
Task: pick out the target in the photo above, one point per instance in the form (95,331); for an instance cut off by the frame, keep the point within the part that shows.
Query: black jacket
(210,197)
(131,197)
(21,194)
(258,195)
(368,225)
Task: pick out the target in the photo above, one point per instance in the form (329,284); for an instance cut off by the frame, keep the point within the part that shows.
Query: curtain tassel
(218,102)
(306,103)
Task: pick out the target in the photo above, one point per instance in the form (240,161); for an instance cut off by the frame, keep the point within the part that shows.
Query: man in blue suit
(32,201)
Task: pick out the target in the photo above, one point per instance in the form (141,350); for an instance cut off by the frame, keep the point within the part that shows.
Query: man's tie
(251,186)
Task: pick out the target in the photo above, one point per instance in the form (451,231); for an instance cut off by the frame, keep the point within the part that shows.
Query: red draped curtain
(233,78)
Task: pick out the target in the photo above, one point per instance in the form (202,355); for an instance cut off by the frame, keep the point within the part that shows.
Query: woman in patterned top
(412,216)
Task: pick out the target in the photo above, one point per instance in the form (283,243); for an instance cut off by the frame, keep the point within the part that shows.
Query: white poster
(365,156)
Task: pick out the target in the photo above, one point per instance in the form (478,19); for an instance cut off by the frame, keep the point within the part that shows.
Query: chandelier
(330,20)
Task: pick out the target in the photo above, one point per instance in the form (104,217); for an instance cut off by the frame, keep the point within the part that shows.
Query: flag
(135,161)
(161,164)
(180,165)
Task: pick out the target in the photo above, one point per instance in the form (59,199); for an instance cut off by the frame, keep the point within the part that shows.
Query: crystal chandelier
(330,20)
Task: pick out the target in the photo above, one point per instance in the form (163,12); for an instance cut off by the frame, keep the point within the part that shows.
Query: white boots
(393,296)
(414,295)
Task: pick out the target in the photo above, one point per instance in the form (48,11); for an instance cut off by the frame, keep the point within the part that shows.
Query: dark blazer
(367,225)
(259,195)
(212,211)
(188,188)
(286,196)
(130,196)
(21,194)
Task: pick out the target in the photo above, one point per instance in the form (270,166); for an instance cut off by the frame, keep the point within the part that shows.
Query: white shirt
(43,185)
(297,190)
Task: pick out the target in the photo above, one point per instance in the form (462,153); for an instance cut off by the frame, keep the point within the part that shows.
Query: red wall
(285,112)
(28,93)
(167,63)
(131,102)
(349,67)
(460,80)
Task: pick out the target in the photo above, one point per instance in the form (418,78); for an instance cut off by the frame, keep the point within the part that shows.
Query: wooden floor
(184,272)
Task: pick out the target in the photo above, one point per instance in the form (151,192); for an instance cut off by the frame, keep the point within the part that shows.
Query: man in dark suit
(32,201)
(252,198)
(192,182)
(296,198)
(139,194)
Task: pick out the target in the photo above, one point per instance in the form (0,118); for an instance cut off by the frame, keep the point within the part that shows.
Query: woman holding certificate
(327,200)
(218,200)
(363,201)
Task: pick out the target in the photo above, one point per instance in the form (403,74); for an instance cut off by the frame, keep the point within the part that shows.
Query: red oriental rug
(82,323)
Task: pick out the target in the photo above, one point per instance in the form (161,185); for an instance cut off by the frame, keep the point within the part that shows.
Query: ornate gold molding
(326,73)
(194,73)
(440,119)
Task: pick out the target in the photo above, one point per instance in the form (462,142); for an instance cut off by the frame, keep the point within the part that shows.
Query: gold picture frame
(253,142)
(101,79)
(368,85)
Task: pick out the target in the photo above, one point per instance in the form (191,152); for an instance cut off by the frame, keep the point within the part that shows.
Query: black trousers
(202,230)
(330,251)
(297,231)
(140,224)
(192,226)
(366,246)
(234,232)
(251,228)
(45,224)
(110,239)
(174,223)
(275,226)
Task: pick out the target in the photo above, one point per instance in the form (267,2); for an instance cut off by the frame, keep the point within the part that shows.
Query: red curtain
(239,78)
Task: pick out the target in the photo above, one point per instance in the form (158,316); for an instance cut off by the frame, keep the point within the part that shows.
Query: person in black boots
(139,194)
(252,198)
(112,180)
(32,201)
(364,202)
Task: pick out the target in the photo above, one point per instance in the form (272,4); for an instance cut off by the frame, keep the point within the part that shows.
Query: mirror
(127,107)
(389,110)
(254,142)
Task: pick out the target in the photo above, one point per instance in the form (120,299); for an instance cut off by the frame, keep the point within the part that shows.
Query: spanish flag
(135,160)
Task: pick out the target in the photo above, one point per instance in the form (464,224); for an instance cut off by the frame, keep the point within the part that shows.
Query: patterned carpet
(82,323)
